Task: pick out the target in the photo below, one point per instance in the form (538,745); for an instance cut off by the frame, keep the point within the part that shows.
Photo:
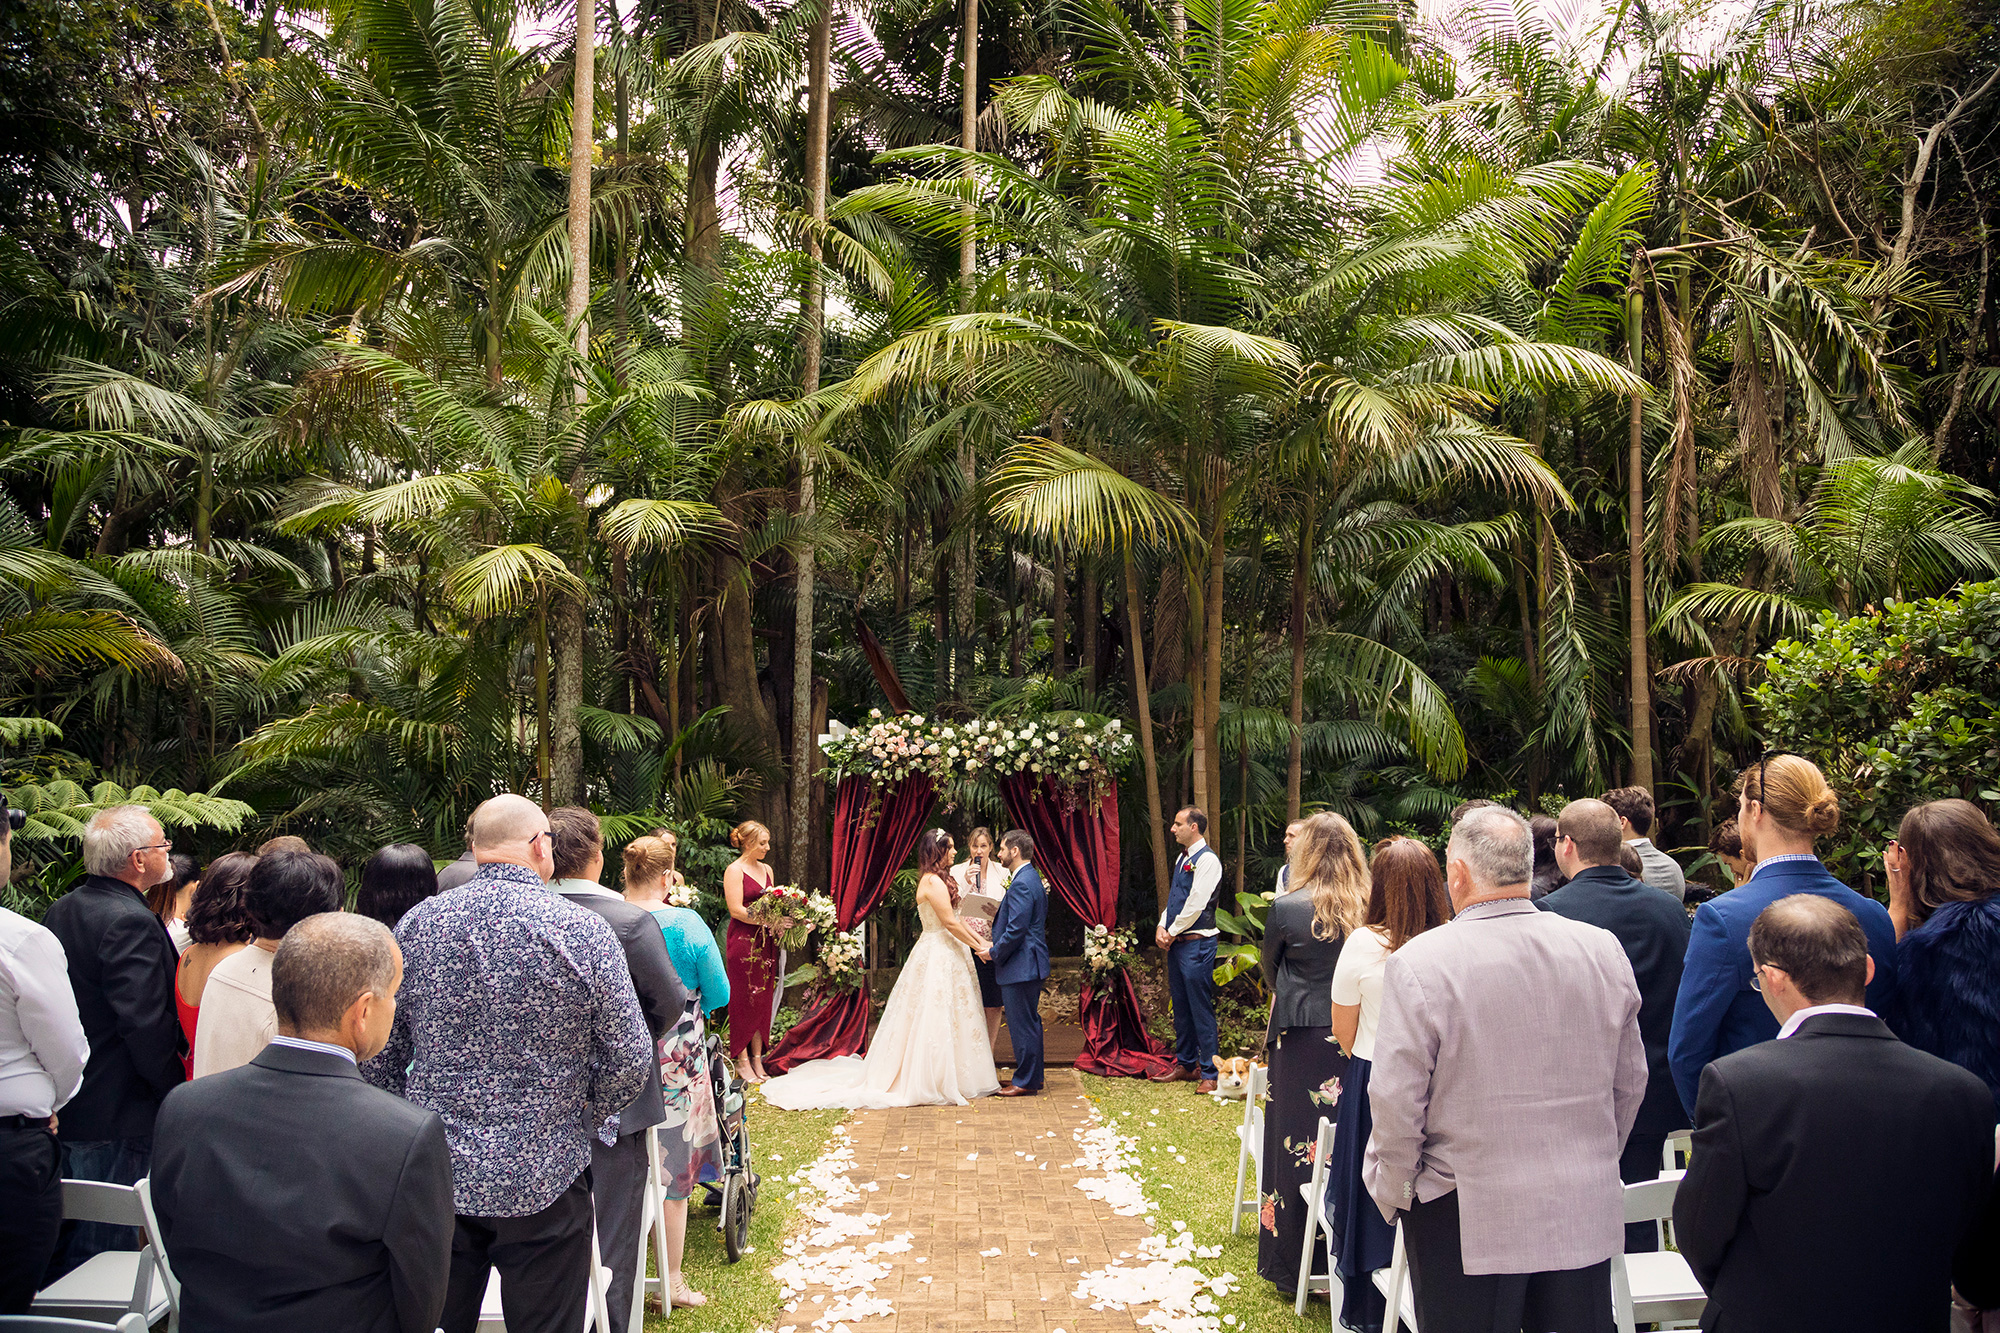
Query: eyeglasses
(166,846)
(1757,973)
(545,833)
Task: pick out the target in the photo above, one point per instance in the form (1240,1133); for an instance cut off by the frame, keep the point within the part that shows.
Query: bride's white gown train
(931,1047)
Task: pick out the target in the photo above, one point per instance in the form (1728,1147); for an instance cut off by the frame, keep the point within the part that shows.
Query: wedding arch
(1057,778)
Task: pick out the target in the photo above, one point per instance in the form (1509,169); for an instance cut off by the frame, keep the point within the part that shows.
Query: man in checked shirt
(519,1026)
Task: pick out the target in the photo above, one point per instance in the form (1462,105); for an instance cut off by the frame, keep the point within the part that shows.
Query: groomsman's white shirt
(1207,879)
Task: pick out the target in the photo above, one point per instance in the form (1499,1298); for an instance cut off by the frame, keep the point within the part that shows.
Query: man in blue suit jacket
(1784,803)
(1020,958)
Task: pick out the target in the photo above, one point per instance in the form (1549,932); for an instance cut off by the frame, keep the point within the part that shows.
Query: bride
(931,1048)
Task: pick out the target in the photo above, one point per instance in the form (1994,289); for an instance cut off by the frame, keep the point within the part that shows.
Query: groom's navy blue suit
(1021,964)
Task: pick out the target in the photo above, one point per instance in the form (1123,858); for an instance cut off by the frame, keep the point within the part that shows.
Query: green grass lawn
(741,1296)
(1172,1122)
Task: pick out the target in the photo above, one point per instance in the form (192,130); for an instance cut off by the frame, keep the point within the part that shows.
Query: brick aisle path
(956,1208)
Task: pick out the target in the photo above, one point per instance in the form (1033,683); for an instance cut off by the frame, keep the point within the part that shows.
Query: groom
(1020,957)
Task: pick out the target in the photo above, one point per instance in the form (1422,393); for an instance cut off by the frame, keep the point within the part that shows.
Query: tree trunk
(805,746)
(1296,712)
(965,588)
(582,133)
(1635,495)
(1086,626)
(1059,619)
(1212,674)
(565,750)
(1142,704)
(704,217)
(542,700)
(621,257)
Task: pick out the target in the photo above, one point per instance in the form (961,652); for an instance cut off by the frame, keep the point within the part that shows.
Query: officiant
(982,876)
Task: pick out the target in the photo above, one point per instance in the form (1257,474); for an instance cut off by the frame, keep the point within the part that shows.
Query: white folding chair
(1674,1158)
(1394,1283)
(1313,1195)
(34,1323)
(1655,1288)
(493,1315)
(655,1225)
(1250,1149)
(117,1282)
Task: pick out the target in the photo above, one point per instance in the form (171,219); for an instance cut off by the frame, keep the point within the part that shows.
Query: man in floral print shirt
(519,1026)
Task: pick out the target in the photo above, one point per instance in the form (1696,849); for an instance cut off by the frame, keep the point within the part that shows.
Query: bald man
(1652,929)
(290,1193)
(519,1026)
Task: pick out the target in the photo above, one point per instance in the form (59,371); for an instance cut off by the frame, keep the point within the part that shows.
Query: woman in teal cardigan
(690,1136)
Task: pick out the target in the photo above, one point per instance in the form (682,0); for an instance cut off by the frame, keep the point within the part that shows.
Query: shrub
(1897,706)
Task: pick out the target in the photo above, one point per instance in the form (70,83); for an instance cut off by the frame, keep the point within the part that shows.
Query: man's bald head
(504,820)
(1817,943)
(1593,828)
(512,830)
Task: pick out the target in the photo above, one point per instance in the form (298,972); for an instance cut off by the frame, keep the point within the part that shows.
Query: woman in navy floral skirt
(1303,934)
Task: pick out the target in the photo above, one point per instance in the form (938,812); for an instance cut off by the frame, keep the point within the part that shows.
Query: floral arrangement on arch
(1106,950)
(840,965)
(794,915)
(1075,752)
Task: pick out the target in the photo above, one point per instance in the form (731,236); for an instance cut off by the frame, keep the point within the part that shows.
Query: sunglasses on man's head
(1764,760)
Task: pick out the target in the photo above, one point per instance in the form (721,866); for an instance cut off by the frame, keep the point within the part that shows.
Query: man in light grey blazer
(1508,1071)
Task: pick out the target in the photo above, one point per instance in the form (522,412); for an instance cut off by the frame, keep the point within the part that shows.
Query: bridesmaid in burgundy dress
(751,958)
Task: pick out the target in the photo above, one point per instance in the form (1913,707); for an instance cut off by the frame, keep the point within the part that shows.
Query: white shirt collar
(584,886)
(1194,849)
(1792,1023)
(323,1047)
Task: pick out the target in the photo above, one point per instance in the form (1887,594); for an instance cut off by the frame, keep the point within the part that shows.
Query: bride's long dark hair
(934,858)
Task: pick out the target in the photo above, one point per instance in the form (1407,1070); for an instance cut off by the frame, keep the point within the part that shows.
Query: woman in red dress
(751,955)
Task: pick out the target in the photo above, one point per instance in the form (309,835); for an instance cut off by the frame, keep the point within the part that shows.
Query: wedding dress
(931,1047)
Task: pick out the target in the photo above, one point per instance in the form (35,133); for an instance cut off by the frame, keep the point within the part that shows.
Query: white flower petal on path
(990,1254)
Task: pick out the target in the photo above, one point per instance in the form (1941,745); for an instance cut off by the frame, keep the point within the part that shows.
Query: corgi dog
(1232,1076)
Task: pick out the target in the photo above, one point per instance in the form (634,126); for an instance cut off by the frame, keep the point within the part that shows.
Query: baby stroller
(735,1192)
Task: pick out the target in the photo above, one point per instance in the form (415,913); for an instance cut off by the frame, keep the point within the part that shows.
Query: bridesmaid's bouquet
(681,895)
(793,915)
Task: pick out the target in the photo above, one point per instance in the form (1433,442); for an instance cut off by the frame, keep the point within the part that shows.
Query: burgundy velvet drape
(873,833)
(1076,849)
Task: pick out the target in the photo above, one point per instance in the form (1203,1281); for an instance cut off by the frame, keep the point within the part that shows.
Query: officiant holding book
(1020,954)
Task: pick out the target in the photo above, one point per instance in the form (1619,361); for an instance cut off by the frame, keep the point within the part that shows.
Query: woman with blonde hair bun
(1326,899)
(1783,805)
(750,950)
(690,1135)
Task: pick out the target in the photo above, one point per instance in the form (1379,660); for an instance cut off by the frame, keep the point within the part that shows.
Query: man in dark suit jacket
(1020,956)
(292,1194)
(1652,928)
(121,971)
(1835,1169)
(618,1170)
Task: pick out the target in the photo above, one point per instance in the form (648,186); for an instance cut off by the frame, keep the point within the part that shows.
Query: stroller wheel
(735,1220)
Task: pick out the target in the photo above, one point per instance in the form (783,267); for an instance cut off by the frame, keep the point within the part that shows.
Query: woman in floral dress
(1303,935)
(690,1136)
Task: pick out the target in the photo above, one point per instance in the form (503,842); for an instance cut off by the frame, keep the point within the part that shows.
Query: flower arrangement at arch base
(1106,951)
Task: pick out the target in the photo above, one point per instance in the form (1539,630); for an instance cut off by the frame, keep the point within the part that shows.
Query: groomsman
(1020,957)
(1187,933)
